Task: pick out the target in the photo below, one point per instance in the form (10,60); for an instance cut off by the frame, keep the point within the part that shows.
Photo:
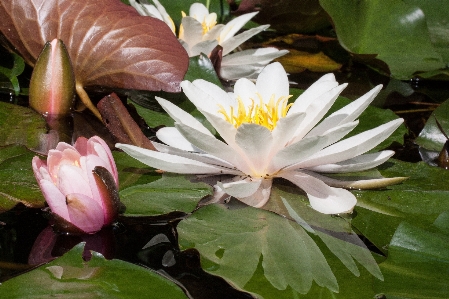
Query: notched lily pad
(17,181)
(20,125)
(98,278)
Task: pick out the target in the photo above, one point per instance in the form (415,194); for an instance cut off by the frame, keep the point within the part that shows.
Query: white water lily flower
(200,33)
(265,138)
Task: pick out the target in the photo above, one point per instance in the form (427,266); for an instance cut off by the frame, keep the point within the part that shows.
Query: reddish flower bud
(52,85)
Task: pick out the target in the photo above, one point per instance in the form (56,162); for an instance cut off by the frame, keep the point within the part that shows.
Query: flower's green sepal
(52,85)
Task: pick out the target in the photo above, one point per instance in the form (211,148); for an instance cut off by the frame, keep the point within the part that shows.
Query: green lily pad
(419,200)
(387,30)
(431,137)
(70,276)
(418,263)
(200,67)
(17,181)
(20,125)
(170,193)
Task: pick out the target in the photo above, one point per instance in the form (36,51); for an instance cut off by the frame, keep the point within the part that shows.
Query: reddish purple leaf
(109,43)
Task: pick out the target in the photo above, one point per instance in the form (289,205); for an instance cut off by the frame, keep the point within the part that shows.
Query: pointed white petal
(235,72)
(324,199)
(362,162)
(323,85)
(316,110)
(259,198)
(214,147)
(168,162)
(225,129)
(242,188)
(214,33)
(171,136)
(204,47)
(246,90)
(255,141)
(273,81)
(297,152)
(181,116)
(230,44)
(346,114)
(338,132)
(198,11)
(206,96)
(205,158)
(353,146)
(232,27)
(259,57)
(285,130)
(359,184)
(193,31)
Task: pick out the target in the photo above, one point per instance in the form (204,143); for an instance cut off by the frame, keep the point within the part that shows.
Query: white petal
(353,146)
(181,116)
(242,188)
(172,137)
(323,85)
(297,152)
(362,162)
(255,141)
(205,158)
(168,162)
(324,199)
(193,31)
(206,96)
(235,72)
(214,147)
(346,114)
(246,90)
(273,81)
(202,47)
(259,198)
(199,11)
(358,184)
(232,27)
(316,110)
(258,57)
(213,33)
(230,44)
(285,130)
(336,133)
(225,129)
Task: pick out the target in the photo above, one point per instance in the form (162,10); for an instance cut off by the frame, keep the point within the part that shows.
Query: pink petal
(55,199)
(63,146)
(98,147)
(81,145)
(85,213)
(72,179)
(37,163)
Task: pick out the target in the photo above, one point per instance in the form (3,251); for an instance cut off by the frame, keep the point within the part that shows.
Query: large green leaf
(396,31)
(420,200)
(418,262)
(71,277)
(170,193)
(250,246)
(20,125)
(17,181)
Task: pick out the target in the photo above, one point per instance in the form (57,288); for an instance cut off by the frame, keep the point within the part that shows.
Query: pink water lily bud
(52,85)
(80,185)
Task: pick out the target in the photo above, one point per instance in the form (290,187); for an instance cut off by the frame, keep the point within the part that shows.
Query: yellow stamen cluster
(266,115)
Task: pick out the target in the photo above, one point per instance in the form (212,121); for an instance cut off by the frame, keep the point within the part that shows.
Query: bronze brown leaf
(109,43)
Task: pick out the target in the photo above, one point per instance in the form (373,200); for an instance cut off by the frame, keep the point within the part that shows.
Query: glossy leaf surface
(98,278)
(108,42)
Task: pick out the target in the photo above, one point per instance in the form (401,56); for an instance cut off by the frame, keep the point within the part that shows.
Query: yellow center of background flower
(264,114)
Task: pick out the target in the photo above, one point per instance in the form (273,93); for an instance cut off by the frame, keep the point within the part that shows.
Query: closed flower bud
(52,84)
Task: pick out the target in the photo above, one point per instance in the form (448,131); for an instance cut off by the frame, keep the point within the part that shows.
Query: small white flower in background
(265,137)
(200,33)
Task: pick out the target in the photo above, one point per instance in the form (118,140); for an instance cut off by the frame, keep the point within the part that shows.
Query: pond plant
(146,152)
